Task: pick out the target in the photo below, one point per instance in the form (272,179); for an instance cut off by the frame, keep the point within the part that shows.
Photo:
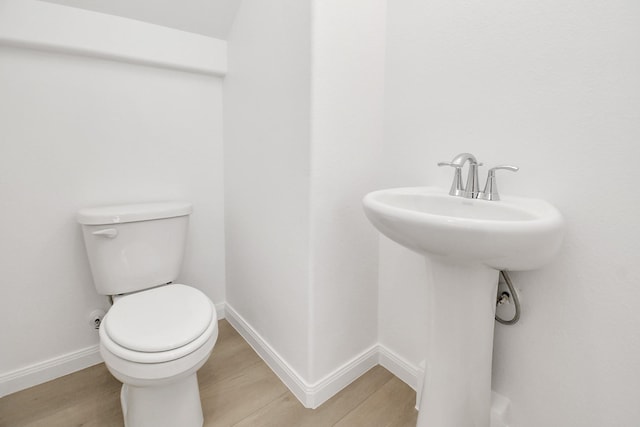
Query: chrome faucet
(472,189)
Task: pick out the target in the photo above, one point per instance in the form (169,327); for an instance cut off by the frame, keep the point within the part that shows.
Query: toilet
(158,333)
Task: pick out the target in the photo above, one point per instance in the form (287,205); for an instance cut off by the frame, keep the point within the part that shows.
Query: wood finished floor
(236,387)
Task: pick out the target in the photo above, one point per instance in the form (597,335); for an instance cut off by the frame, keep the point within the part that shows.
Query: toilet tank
(134,247)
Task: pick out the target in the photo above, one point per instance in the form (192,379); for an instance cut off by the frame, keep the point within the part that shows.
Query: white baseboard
(310,395)
(399,367)
(47,370)
(220,310)
(330,385)
(286,373)
(314,395)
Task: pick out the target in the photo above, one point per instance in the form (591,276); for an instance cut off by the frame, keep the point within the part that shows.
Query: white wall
(303,136)
(267,172)
(77,132)
(211,18)
(347,100)
(553,88)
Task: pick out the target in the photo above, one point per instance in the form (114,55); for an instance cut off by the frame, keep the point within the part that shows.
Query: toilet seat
(158,325)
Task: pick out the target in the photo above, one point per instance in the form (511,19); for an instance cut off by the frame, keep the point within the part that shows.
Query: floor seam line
(361,403)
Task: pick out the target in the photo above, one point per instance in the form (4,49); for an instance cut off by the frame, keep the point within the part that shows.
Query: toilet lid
(159,319)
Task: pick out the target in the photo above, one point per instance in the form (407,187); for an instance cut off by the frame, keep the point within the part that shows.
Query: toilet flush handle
(106,232)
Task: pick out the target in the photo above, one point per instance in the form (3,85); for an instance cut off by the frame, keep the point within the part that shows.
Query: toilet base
(174,404)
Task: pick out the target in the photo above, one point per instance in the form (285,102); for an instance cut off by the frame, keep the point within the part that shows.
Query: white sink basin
(510,234)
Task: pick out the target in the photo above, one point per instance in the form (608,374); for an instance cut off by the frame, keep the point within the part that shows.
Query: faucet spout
(472,188)
(462,158)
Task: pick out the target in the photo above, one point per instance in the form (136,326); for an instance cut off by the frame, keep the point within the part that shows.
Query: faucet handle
(456,185)
(453,165)
(490,188)
(505,167)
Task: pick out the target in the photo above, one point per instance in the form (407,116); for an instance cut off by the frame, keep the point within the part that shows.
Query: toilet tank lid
(117,214)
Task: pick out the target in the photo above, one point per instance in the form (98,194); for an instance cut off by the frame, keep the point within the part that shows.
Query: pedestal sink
(466,243)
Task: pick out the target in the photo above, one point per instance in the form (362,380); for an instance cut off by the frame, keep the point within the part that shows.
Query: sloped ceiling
(211,18)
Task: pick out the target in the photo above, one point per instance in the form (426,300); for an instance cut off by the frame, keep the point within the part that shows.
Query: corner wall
(347,113)
(267,174)
(303,135)
(553,88)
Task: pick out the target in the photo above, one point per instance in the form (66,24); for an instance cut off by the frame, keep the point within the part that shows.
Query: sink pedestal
(461,309)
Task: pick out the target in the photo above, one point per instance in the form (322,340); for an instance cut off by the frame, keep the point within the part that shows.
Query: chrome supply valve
(504,298)
(490,188)
(471,190)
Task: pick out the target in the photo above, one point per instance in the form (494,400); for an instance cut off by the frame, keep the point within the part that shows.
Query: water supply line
(505,297)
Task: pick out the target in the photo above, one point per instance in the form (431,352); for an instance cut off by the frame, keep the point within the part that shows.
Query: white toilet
(157,334)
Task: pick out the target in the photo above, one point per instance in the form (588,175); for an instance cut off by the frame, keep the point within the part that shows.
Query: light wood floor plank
(231,356)
(233,399)
(236,387)
(85,396)
(288,411)
(392,405)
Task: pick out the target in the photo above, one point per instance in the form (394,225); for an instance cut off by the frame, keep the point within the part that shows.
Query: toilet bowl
(158,333)
(153,342)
